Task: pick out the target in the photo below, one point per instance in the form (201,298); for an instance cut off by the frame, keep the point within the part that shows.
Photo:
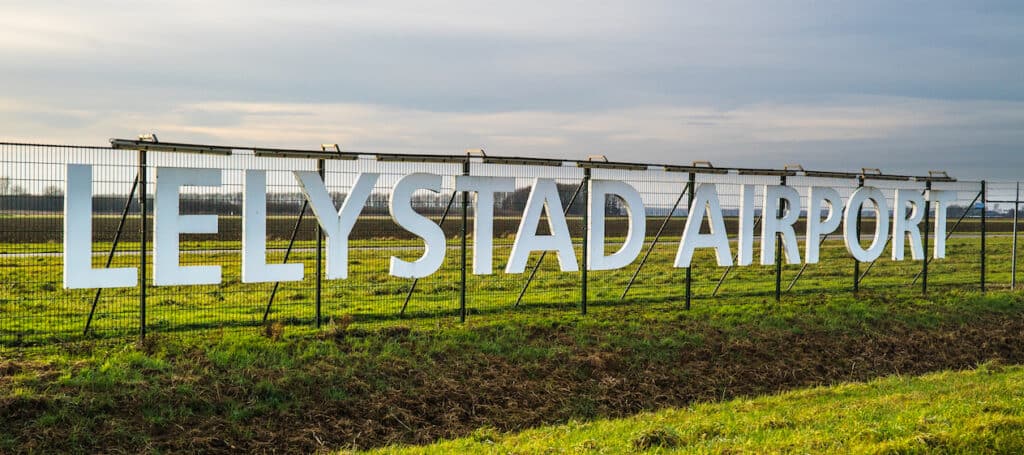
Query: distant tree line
(14,198)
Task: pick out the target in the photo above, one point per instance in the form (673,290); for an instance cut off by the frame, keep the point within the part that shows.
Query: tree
(613,206)
(53,190)
(9,188)
(515,202)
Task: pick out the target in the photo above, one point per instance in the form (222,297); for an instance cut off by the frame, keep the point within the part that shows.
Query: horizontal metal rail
(133,144)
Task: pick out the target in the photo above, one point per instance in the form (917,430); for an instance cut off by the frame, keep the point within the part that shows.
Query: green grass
(976,411)
(34,309)
(295,389)
(212,377)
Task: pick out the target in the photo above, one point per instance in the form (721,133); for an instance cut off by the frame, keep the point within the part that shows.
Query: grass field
(631,374)
(974,411)
(35,309)
(825,369)
(295,389)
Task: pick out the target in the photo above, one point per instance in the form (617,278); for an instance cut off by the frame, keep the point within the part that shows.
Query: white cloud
(652,133)
(841,85)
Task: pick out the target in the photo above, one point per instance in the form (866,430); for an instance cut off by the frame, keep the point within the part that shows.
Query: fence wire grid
(36,310)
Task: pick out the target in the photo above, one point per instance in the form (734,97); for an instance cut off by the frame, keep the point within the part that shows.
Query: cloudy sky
(903,86)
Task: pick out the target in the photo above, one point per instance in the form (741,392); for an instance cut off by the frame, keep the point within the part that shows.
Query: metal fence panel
(35,309)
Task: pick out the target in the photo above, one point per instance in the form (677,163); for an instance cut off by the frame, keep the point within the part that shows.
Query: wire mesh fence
(978,227)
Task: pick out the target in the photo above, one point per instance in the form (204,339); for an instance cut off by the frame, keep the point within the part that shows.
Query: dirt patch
(592,383)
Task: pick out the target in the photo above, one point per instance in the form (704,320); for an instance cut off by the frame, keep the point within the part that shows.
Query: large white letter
(598,190)
(169,224)
(772,224)
(819,197)
(254,235)
(78,271)
(903,226)
(745,242)
(401,210)
(940,200)
(705,203)
(543,197)
(851,236)
(337,224)
(483,215)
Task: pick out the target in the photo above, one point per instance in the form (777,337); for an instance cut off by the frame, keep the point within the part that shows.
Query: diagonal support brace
(657,236)
(287,253)
(728,269)
(545,253)
(444,216)
(113,249)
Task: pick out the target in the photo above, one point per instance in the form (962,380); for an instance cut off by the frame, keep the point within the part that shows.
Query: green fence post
(462,271)
(924,263)
(778,247)
(586,232)
(856,263)
(142,244)
(691,184)
(1013,250)
(319,249)
(984,208)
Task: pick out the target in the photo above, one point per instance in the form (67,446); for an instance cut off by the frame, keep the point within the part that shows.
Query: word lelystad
(780,210)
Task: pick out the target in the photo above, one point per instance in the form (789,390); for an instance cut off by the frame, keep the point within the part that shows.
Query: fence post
(586,232)
(142,244)
(462,271)
(856,263)
(984,208)
(689,212)
(778,247)
(1013,250)
(924,242)
(319,249)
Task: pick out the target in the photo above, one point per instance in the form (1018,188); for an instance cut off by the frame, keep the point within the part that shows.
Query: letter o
(850,235)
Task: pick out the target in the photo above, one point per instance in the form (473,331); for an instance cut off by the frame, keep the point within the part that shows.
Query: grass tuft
(273,330)
(661,437)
